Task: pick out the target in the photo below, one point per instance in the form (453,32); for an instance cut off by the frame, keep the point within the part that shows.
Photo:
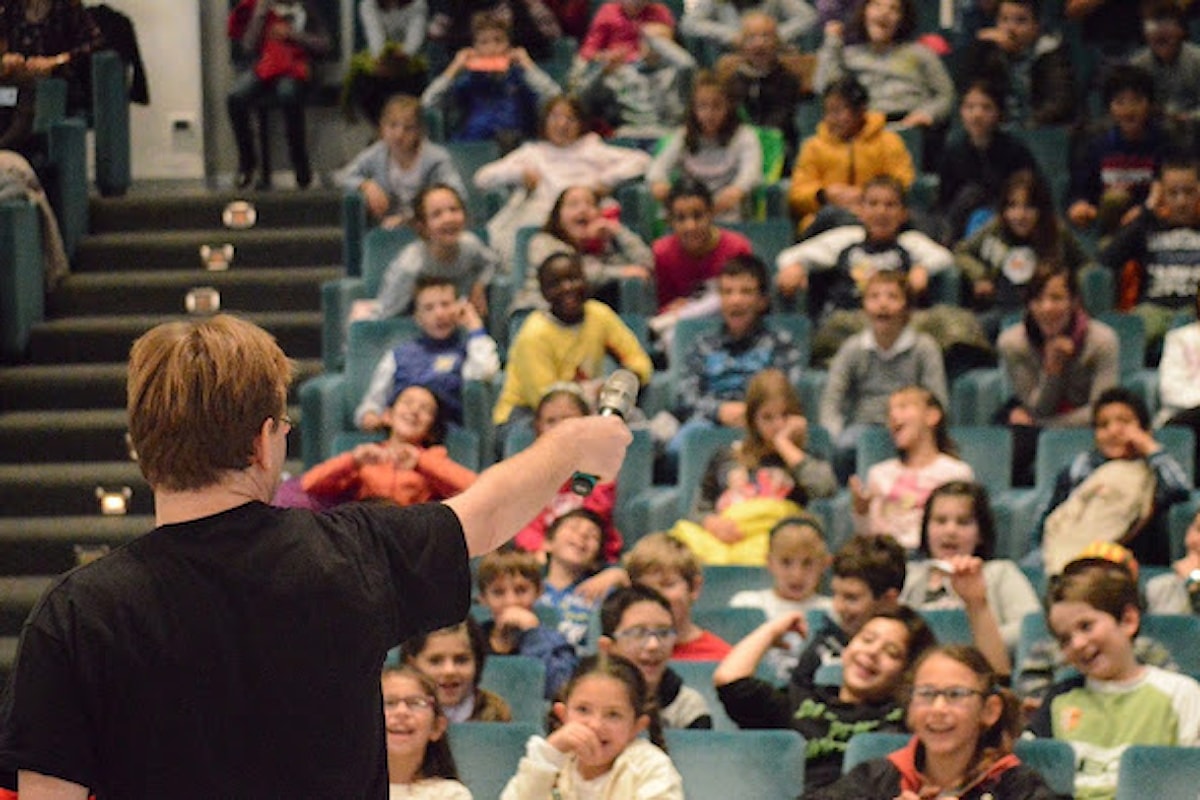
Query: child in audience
(1057,361)
(574,583)
(1156,258)
(609,251)
(617,29)
(999,259)
(452,347)
(420,764)
(566,401)
(1115,702)
(567,342)
(892,500)
(1112,176)
(445,247)
(957,570)
(689,258)
(905,80)
(639,93)
(752,484)
(391,172)
(1042,659)
(873,668)
(714,147)
(595,749)
(495,87)
(868,574)
(1188,567)
(964,747)
(1119,491)
(796,560)
(719,22)
(851,146)
(410,466)
(510,582)
(453,658)
(871,365)
(1179,377)
(976,162)
(636,622)
(848,255)
(666,565)
(537,172)
(1173,62)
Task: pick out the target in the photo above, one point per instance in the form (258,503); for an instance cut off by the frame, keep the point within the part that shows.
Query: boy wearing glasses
(636,622)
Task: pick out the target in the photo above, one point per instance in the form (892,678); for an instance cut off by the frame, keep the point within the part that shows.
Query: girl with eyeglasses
(874,664)
(963,728)
(420,764)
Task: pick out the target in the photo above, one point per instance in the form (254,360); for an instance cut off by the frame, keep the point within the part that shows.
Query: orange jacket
(826,160)
(435,477)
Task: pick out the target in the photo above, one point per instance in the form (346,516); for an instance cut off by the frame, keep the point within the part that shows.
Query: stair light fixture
(239,215)
(202,300)
(216,258)
(114,503)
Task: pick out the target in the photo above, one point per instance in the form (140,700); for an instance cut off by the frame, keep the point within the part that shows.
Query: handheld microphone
(617,396)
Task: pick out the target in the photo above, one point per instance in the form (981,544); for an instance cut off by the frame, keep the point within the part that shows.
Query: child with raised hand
(796,560)
(719,21)
(868,574)
(1000,258)
(537,172)
(567,342)
(609,250)
(752,484)
(496,87)
(420,763)
(1188,567)
(445,248)
(714,147)
(452,347)
(636,622)
(575,580)
(956,570)
(566,401)
(510,582)
(870,366)
(874,664)
(892,500)
(963,723)
(1118,491)
(453,658)
(410,466)
(391,172)
(1115,701)
(595,749)
(665,564)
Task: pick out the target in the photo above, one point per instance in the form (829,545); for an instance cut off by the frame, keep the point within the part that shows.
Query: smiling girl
(420,764)
(453,659)
(594,750)
(873,668)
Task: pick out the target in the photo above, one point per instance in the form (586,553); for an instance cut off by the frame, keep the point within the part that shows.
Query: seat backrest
(366,342)
(699,446)
(521,681)
(699,676)
(380,247)
(873,446)
(722,582)
(487,753)
(988,449)
(769,237)
(1055,449)
(521,268)
(731,624)
(1179,519)
(1180,633)
(769,763)
(1054,759)
(828,675)
(1162,773)
(1131,334)
(1180,442)
(871,745)
(949,625)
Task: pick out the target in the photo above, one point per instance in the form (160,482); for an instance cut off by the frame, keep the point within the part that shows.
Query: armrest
(110,116)
(337,296)
(22,297)
(68,187)
(354,227)
(321,413)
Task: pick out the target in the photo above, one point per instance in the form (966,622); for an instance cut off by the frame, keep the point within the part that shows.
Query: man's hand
(598,442)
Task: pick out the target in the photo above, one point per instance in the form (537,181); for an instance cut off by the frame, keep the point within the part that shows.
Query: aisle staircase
(62,417)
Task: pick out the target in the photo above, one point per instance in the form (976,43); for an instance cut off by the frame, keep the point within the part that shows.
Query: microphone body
(617,397)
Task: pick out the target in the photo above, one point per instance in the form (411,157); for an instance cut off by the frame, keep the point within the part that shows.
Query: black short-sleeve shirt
(234,656)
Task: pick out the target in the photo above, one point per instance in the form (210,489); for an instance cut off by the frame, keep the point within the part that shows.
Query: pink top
(900,493)
(678,274)
(613,29)
(600,500)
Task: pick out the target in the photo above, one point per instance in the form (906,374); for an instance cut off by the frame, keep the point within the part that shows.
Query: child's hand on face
(512,621)
(724,529)
(1059,351)
(860,495)
(460,60)
(794,431)
(577,738)
(1142,443)
(600,584)
(468,318)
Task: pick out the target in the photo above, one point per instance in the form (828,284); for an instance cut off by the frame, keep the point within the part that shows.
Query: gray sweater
(475,263)
(905,77)
(433,165)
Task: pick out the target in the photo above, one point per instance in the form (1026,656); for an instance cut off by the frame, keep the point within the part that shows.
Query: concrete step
(155,250)
(51,545)
(202,209)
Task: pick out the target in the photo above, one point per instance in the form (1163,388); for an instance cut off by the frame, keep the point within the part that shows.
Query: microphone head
(619,393)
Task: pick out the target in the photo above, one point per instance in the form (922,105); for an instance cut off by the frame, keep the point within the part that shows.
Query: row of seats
(770,763)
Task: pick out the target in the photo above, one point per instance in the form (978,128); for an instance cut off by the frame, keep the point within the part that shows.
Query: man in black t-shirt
(234,651)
